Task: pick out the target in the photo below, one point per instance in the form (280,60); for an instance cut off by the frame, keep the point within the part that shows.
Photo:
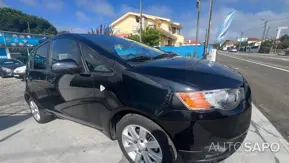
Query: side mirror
(66,66)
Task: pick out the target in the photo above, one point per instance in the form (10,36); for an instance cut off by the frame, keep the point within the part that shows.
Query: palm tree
(101,30)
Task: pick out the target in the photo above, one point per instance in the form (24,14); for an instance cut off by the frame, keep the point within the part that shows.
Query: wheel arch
(120,114)
(27,97)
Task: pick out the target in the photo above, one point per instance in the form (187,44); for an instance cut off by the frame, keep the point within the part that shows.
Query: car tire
(2,75)
(39,114)
(154,135)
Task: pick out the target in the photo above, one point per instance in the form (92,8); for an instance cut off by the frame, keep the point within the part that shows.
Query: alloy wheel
(34,110)
(140,145)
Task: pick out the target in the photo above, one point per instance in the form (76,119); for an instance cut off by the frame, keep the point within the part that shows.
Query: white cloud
(54,4)
(126,8)
(157,10)
(101,7)
(2,4)
(243,21)
(81,16)
(30,2)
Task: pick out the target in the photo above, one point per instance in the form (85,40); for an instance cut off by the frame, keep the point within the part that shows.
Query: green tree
(134,37)
(284,44)
(150,36)
(267,43)
(17,21)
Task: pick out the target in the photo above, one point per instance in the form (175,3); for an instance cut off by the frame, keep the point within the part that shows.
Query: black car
(159,107)
(7,66)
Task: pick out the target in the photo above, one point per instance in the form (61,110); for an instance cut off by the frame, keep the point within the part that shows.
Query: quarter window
(94,64)
(65,49)
(41,55)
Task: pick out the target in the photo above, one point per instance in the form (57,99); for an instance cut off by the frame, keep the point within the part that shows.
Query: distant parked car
(233,50)
(19,72)
(7,66)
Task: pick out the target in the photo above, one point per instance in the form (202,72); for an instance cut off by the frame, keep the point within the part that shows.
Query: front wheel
(2,75)
(143,141)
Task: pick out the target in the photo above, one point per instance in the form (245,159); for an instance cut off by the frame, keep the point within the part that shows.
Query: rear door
(37,74)
(70,94)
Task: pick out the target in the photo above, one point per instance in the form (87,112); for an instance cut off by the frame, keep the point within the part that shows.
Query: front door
(37,74)
(105,82)
(70,94)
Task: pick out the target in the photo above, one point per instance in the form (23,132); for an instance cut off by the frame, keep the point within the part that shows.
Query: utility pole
(264,32)
(209,28)
(240,41)
(267,33)
(28,26)
(140,22)
(197,30)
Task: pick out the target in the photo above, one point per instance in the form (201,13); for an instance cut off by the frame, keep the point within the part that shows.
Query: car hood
(202,74)
(12,67)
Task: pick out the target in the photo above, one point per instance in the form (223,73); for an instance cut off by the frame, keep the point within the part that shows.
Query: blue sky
(81,15)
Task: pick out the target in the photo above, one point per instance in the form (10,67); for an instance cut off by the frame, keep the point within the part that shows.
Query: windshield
(10,62)
(126,49)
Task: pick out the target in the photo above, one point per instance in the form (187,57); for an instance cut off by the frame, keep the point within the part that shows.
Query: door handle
(85,74)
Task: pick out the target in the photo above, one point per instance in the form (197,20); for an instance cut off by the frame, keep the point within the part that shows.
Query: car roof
(84,37)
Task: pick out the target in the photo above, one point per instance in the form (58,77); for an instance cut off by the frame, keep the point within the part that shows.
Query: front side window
(41,55)
(65,49)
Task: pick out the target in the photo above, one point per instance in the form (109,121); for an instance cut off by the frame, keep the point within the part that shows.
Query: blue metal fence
(185,50)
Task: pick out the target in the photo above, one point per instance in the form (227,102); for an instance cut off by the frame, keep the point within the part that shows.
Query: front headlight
(224,99)
(6,69)
(20,70)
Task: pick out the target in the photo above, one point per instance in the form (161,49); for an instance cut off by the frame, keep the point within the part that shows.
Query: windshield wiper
(165,55)
(138,59)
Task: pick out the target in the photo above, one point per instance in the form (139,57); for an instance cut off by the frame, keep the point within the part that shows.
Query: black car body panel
(147,88)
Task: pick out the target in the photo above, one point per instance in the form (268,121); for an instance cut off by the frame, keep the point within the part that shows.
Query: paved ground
(23,140)
(269,79)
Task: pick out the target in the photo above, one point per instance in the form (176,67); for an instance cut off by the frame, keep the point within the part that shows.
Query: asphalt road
(268,77)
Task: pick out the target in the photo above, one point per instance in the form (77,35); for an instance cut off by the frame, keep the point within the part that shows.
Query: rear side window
(65,49)
(41,57)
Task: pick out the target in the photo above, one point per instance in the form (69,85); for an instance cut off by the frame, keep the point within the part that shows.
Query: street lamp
(209,29)
(198,5)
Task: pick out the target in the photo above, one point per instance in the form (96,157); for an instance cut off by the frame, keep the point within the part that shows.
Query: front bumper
(7,74)
(218,150)
(196,135)
(18,75)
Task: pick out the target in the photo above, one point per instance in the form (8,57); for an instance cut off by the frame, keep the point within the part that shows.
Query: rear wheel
(143,141)
(40,115)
